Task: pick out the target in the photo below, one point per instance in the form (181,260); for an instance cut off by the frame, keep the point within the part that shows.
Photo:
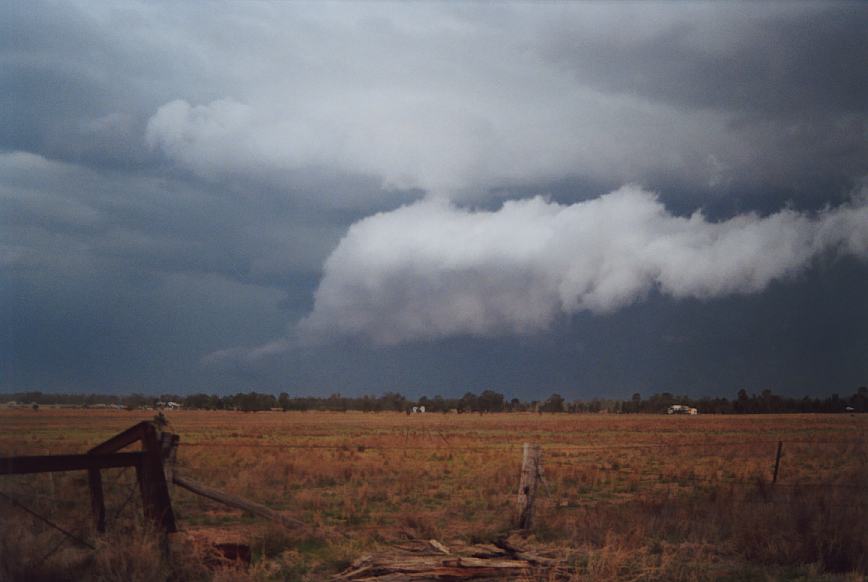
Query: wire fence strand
(506,446)
(45,520)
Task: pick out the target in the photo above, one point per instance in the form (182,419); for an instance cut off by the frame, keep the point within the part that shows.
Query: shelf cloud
(342,177)
(721,98)
(433,269)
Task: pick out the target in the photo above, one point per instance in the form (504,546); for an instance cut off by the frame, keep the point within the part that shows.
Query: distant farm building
(681,409)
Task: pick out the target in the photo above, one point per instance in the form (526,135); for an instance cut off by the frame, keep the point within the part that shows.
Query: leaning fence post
(530,474)
(777,462)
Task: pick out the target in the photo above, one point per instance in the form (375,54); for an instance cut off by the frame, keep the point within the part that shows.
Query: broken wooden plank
(516,552)
(439,547)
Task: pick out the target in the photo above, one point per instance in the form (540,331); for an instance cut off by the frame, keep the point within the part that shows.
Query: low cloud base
(431,269)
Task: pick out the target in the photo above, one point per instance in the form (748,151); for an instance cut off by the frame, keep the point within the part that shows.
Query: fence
(535,462)
(156,472)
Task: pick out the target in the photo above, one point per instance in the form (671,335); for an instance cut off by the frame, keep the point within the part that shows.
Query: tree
(469,402)
(742,403)
(490,401)
(253,401)
(439,404)
(336,402)
(635,403)
(136,400)
(859,401)
(202,401)
(554,403)
(393,401)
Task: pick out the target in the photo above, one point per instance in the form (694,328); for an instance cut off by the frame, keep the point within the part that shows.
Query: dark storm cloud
(789,79)
(122,282)
(173,177)
(770,62)
(717,100)
(145,223)
(800,337)
(60,90)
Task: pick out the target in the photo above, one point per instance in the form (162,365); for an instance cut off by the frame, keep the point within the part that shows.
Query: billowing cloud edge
(432,270)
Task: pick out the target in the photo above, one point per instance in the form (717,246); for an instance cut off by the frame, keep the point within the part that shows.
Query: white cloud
(456,143)
(451,101)
(202,138)
(432,269)
(460,101)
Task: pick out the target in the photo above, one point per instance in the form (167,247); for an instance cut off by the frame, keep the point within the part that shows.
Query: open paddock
(622,496)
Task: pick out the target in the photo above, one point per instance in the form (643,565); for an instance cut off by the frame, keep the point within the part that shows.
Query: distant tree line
(487,401)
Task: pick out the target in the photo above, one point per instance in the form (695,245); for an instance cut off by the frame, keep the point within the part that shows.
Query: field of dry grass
(631,497)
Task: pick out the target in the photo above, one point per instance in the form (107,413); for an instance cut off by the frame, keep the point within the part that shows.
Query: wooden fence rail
(148,465)
(237,502)
(154,466)
(54,463)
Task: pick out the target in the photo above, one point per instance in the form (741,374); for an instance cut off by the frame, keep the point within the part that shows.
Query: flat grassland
(635,497)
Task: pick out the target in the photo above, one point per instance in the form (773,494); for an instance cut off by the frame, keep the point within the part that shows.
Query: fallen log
(434,567)
(515,552)
(484,562)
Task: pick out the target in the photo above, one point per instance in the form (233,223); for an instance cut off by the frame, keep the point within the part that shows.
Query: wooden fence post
(148,464)
(97,502)
(530,474)
(169,453)
(51,476)
(777,462)
(152,483)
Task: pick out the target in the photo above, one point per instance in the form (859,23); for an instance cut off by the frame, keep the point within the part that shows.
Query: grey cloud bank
(431,269)
(354,188)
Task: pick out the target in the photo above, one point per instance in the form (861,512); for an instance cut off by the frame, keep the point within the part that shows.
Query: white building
(681,409)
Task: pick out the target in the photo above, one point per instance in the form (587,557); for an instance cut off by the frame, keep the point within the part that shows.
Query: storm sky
(585,198)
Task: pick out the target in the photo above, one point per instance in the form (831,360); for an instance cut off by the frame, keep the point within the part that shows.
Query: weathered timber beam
(237,502)
(530,476)
(97,500)
(51,463)
(123,439)
(152,483)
